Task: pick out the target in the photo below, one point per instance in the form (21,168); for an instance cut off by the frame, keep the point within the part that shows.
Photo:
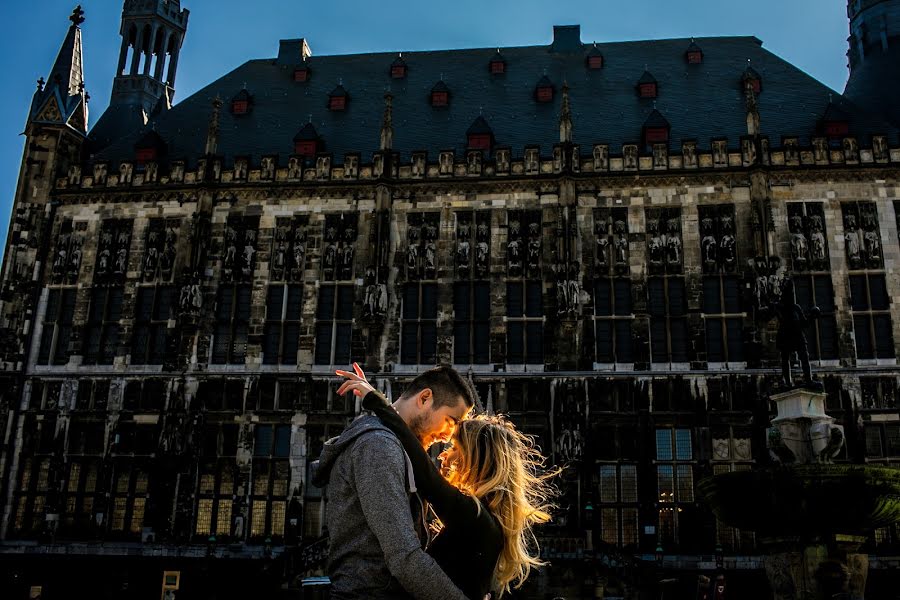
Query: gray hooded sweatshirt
(375,550)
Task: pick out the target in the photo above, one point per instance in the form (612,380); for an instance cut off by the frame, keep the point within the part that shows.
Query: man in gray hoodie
(375,519)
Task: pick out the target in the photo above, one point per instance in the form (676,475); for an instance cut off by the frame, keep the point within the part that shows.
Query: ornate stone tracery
(718,251)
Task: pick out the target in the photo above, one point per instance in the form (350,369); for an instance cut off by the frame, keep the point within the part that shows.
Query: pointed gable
(544,90)
(479,135)
(440,94)
(150,147)
(594,58)
(655,129)
(835,121)
(693,55)
(307,141)
(338,99)
(647,86)
(242,103)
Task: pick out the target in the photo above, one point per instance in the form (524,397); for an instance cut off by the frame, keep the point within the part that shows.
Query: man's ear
(425,396)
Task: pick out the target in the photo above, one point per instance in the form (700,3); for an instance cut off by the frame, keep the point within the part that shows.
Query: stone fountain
(811,516)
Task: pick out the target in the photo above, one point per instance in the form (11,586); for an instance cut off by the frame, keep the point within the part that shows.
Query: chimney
(292,52)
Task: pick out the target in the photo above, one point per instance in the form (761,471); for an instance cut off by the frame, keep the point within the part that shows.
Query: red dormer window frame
(440,98)
(337,103)
(306,148)
(240,107)
(301,74)
(648,90)
(398,71)
(836,128)
(595,62)
(497,67)
(656,135)
(695,57)
(145,155)
(480,141)
(544,94)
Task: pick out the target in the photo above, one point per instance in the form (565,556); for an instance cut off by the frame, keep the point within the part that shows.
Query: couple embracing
(382,486)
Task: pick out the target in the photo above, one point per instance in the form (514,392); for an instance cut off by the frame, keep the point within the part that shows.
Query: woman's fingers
(359,371)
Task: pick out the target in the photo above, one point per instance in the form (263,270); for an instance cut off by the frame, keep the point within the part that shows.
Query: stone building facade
(597,260)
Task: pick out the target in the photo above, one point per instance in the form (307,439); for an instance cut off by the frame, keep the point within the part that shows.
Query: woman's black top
(469,544)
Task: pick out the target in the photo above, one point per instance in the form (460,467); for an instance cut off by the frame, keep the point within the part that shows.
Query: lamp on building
(720,556)
(211,546)
(659,554)
(267,547)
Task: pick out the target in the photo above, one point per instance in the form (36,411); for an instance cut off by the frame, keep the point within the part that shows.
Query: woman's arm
(450,504)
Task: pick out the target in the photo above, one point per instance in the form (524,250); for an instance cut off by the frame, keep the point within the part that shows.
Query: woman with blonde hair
(491,491)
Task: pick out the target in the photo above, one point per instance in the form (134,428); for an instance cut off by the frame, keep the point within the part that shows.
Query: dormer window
(835,122)
(145,155)
(656,129)
(752,78)
(338,99)
(398,68)
(307,142)
(694,55)
(497,66)
(241,103)
(440,95)
(647,86)
(543,92)
(594,59)
(149,148)
(479,136)
(301,74)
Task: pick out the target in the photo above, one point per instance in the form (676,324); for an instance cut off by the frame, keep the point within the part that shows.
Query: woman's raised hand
(356,382)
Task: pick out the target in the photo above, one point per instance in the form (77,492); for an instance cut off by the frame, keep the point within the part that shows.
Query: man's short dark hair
(446,384)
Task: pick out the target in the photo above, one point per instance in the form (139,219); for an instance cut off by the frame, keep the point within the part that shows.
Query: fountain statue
(811,515)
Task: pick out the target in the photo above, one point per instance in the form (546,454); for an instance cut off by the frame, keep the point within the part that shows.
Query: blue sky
(223,34)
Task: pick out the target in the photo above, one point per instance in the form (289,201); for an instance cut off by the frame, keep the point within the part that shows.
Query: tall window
(54,348)
(525,322)
(613,320)
(618,495)
(232,324)
(869,300)
(334,312)
(878,393)
(78,499)
(274,394)
(674,479)
(282,331)
(129,500)
(528,405)
(145,395)
(721,290)
(102,329)
(668,319)
(215,495)
(271,472)
(153,310)
(870,304)
(882,441)
(471,292)
(524,289)
(812,275)
(419,326)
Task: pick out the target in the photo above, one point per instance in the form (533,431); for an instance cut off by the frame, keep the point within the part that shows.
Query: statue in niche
(602,252)
(620,241)
(295,168)
(178,172)
(534,253)
(61,261)
(502,161)
(791,154)
(299,248)
(75,257)
(74,177)
(660,156)
(240,169)
(817,240)
(601,158)
(799,244)
(331,233)
(481,257)
(576,159)
(418,165)
(532,161)
(727,245)
(851,149)
(445,163)
(121,260)
(462,253)
(720,153)
(267,168)
(820,149)
(880,147)
(351,166)
(515,228)
(870,239)
(557,159)
(654,244)
(248,252)
(150,172)
(630,153)
(103,262)
(375,301)
(791,338)
(151,260)
(483,231)
(708,245)
(430,257)
(562,294)
(125,171)
(350,234)
(347,260)
(230,248)
(673,244)
(323,167)
(412,259)
(100,173)
(430,231)
(473,162)
(851,238)
(749,151)
(689,154)
(514,255)
(330,256)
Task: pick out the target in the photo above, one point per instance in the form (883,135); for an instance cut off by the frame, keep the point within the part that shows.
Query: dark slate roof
(699,103)
(594,50)
(544,82)
(646,77)
(307,133)
(440,86)
(151,139)
(833,112)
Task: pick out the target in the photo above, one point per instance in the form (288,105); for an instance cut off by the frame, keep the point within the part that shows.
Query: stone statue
(430,257)
(481,257)
(871,241)
(673,244)
(602,251)
(817,241)
(792,322)
(654,244)
(851,238)
(708,245)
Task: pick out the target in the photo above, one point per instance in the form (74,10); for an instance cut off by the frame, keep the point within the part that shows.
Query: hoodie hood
(362,425)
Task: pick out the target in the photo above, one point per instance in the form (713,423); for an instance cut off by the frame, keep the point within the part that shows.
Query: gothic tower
(874,56)
(152,33)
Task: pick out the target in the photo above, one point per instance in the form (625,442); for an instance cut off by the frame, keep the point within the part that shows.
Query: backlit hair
(503,470)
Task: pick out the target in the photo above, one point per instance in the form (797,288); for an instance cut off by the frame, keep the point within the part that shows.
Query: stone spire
(387,123)
(212,130)
(565,117)
(68,70)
